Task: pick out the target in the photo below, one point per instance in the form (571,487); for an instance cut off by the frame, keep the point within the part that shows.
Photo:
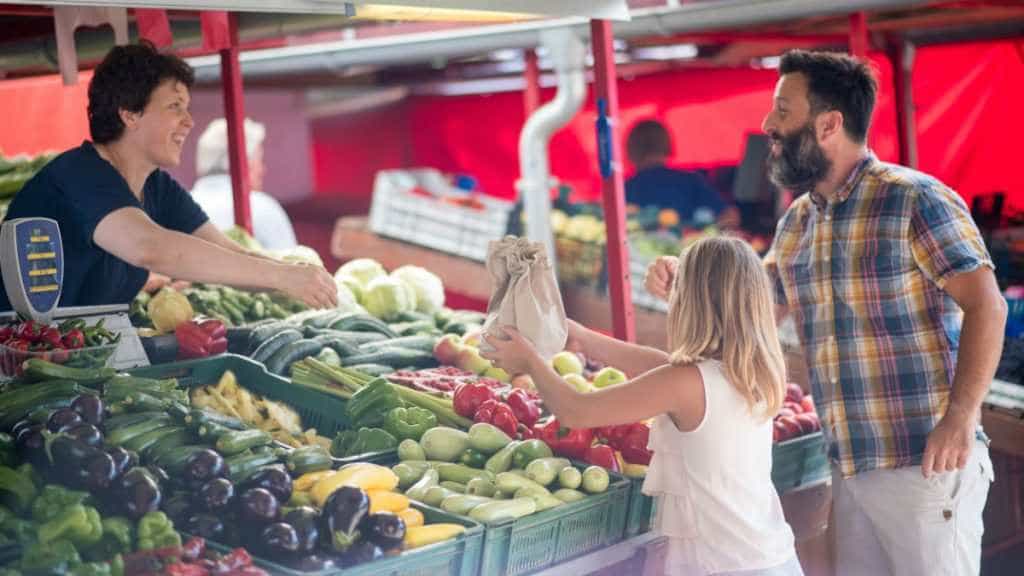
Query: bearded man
(900,318)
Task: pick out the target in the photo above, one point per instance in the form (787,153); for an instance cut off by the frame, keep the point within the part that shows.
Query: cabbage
(362,269)
(386,298)
(354,286)
(427,286)
(347,302)
(297,255)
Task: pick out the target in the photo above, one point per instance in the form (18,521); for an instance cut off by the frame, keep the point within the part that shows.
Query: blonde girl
(712,400)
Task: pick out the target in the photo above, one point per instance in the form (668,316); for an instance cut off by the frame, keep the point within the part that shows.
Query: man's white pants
(897,523)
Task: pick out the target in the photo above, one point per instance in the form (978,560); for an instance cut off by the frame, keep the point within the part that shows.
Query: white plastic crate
(398,212)
(641,297)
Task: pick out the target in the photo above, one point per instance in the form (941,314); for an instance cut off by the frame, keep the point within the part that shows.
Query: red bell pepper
(182,569)
(193,341)
(469,397)
(574,443)
(548,432)
(31,330)
(634,445)
(214,328)
(50,336)
(6,333)
(505,420)
(485,413)
(73,340)
(526,410)
(604,456)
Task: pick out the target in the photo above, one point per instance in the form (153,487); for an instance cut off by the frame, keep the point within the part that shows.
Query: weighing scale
(32,259)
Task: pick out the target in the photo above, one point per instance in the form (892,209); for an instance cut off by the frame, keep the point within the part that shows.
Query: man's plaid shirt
(863,275)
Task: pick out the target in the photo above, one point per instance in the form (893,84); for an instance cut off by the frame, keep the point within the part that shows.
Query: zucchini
(264,332)
(343,347)
(144,442)
(123,435)
(197,417)
(16,403)
(115,422)
(412,316)
(38,369)
(395,357)
(324,319)
(373,369)
(275,343)
(423,343)
(179,438)
(241,467)
(173,460)
(308,459)
(143,402)
(42,413)
(293,352)
(406,329)
(363,323)
(211,431)
(241,440)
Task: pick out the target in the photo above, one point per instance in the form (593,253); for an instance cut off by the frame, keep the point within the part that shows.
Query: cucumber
(242,466)
(323,319)
(308,459)
(338,344)
(350,337)
(363,323)
(283,358)
(423,343)
(263,333)
(37,369)
(418,328)
(494,512)
(373,369)
(241,440)
(395,357)
(275,343)
(124,434)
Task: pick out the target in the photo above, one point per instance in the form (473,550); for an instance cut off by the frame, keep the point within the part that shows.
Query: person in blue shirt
(655,184)
(121,215)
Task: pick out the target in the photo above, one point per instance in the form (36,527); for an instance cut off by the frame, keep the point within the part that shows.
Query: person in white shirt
(212,189)
(712,399)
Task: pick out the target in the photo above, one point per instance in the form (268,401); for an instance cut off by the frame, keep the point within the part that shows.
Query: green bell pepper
(156,530)
(473,458)
(118,535)
(53,558)
(54,500)
(529,451)
(15,528)
(80,525)
(17,488)
(370,406)
(409,423)
(351,443)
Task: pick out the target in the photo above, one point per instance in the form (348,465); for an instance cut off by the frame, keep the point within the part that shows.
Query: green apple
(566,362)
(580,383)
(609,376)
(498,374)
(470,359)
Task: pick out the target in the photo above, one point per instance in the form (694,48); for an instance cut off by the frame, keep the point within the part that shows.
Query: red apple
(447,350)
(793,428)
(794,393)
(796,407)
(779,432)
(785,412)
(808,422)
(807,403)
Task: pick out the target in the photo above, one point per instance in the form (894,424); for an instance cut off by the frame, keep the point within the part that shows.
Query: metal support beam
(859,35)
(901,56)
(234,113)
(531,96)
(607,92)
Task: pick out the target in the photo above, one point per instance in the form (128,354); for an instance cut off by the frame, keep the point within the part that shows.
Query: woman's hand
(514,354)
(661,275)
(311,284)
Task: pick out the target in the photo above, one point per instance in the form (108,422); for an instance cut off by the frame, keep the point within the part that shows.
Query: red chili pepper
(604,456)
(469,397)
(574,443)
(180,569)
(193,342)
(74,340)
(215,328)
(526,410)
(6,333)
(193,549)
(236,559)
(634,445)
(30,330)
(505,420)
(248,571)
(50,336)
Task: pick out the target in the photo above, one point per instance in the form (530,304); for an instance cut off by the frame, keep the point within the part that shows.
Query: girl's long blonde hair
(722,308)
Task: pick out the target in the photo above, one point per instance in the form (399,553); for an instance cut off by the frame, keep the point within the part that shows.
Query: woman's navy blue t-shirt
(78,189)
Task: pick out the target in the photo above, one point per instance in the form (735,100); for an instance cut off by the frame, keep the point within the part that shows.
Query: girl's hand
(513,353)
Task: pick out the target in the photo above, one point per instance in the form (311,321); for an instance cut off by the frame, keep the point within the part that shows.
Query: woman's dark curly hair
(125,80)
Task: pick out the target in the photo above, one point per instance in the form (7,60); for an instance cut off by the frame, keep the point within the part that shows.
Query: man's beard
(801,163)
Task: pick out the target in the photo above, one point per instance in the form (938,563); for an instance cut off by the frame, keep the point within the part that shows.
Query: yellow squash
(362,475)
(419,536)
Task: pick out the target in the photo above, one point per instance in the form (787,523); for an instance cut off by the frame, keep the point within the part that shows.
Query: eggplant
(305,520)
(138,492)
(158,474)
(205,526)
(341,515)
(69,454)
(86,433)
(360,553)
(309,563)
(62,419)
(280,541)
(257,507)
(273,479)
(384,529)
(31,446)
(203,466)
(124,460)
(215,495)
(100,472)
(178,507)
(20,426)
(90,408)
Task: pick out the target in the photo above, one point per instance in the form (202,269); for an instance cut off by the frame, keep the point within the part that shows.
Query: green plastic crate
(799,462)
(317,409)
(459,556)
(641,509)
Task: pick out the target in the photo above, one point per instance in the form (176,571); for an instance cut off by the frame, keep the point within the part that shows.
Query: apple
(447,349)
(579,383)
(794,393)
(779,432)
(793,428)
(471,360)
(472,338)
(808,422)
(795,407)
(609,376)
(523,381)
(498,374)
(566,362)
(807,403)
(784,412)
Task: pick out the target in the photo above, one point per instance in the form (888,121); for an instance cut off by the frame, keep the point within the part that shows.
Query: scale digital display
(33,265)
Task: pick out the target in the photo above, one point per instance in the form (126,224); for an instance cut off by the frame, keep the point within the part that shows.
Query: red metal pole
(612,186)
(234,113)
(531,97)
(859,35)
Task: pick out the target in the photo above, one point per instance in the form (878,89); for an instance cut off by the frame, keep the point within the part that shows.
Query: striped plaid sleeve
(944,238)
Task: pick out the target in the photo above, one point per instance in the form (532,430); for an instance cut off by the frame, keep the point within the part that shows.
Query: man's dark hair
(836,82)
(125,79)
(648,139)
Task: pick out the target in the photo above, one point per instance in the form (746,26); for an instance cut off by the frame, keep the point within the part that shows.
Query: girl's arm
(633,359)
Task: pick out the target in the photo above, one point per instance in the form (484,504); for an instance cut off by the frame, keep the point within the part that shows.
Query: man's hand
(310,284)
(661,275)
(949,444)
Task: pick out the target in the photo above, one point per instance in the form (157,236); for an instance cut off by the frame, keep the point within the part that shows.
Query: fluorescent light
(430,14)
(671,52)
(769,61)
